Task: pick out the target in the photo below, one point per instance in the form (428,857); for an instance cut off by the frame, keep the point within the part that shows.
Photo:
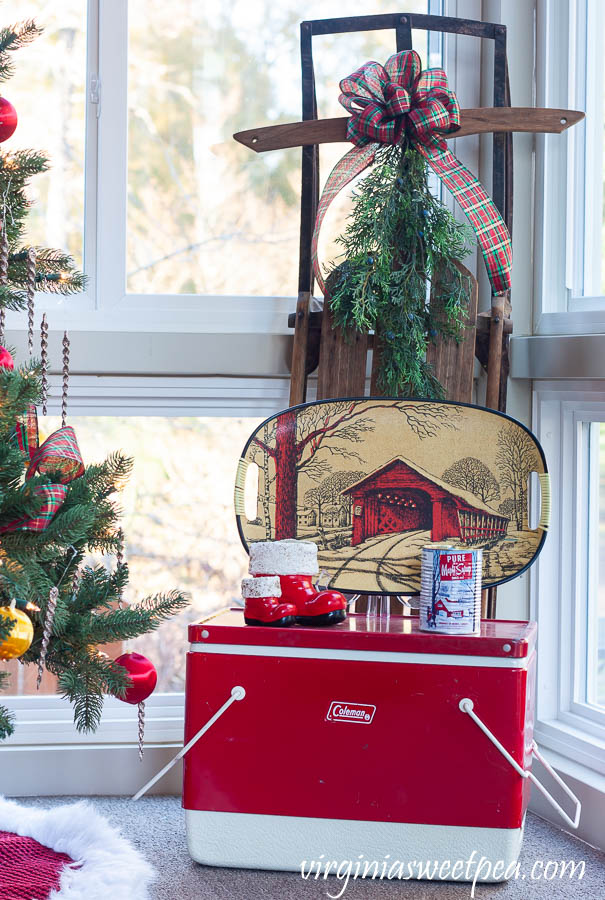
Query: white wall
(518,16)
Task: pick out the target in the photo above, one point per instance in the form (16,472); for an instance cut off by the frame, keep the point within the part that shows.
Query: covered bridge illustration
(401,496)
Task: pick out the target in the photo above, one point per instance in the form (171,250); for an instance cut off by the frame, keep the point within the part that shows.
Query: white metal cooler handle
(466,705)
(237,693)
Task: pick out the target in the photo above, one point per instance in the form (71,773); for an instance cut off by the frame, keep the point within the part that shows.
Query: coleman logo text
(456,566)
(350,712)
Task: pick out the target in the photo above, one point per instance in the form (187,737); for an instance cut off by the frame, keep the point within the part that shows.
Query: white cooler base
(252,841)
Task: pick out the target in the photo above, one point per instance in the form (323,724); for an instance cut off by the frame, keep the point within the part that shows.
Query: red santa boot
(264,605)
(296,563)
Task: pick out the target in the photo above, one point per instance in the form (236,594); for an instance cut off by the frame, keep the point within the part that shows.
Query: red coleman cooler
(366,738)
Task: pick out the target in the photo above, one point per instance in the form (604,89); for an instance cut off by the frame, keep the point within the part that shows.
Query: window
(196,199)
(570,234)
(148,104)
(185,436)
(569,419)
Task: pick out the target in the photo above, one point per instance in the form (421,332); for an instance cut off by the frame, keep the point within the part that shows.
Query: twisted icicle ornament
(65,378)
(3,273)
(141,721)
(120,561)
(31,295)
(44,360)
(4,255)
(48,625)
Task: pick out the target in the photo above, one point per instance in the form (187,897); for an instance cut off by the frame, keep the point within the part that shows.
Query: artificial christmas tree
(54,510)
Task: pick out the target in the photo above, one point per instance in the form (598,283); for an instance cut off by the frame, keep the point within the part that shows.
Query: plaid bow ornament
(58,456)
(399,101)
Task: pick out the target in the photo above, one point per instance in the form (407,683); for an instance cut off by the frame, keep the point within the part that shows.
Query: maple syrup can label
(450,591)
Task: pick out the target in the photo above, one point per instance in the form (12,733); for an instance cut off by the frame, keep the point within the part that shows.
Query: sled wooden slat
(452,360)
(482,120)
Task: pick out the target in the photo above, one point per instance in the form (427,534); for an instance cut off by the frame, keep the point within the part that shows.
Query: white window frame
(106,306)
(568,225)
(559,581)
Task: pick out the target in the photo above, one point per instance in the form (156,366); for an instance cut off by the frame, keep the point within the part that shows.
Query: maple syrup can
(450,592)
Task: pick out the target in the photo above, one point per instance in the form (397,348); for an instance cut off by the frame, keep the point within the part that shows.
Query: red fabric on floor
(28,870)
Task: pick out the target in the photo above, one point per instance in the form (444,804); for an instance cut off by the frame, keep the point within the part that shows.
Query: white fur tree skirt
(108,866)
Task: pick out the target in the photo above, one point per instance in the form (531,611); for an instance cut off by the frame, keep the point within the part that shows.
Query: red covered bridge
(401,496)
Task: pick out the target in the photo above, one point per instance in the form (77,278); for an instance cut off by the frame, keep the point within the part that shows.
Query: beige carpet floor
(156,826)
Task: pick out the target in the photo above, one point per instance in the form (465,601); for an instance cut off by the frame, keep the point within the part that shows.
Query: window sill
(163,313)
(572,742)
(48,720)
(559,356)
(85,771)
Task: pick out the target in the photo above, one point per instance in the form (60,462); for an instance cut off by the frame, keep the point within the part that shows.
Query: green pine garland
(399,238)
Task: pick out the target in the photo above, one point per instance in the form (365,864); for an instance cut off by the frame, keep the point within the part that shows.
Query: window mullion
(588,694)
(113,153)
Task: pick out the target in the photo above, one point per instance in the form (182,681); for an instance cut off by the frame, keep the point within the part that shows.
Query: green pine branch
(131,621)
(14,38)
(7,719)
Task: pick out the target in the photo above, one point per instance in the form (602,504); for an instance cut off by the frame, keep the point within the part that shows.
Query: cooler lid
(400,634)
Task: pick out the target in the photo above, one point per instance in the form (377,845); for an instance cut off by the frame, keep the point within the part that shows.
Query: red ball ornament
(8,119)
(142,674)
(6,360)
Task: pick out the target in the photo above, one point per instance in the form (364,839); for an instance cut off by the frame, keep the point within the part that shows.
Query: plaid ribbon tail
(345,170)
(491,231)
(52,497)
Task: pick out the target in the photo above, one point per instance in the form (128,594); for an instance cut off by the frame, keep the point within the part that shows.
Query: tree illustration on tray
(516,458)
(307,439)
(470,474)
(330,493)
(56,609)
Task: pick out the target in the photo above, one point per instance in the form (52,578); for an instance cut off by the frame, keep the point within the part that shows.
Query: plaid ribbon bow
(400,101)
(59,456)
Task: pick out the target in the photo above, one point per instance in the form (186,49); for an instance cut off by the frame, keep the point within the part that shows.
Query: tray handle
(240,484)
(545,501)
(466,706)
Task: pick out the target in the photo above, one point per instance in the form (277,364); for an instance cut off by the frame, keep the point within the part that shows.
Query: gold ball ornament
(21,636)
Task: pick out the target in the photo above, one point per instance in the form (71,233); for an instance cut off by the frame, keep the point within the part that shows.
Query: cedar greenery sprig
(399,238)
